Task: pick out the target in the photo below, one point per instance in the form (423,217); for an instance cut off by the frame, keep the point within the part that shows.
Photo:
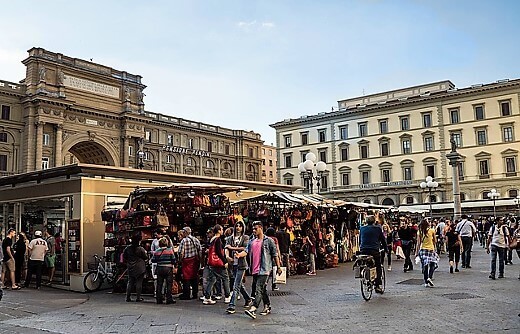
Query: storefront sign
(187,151)
(90,86)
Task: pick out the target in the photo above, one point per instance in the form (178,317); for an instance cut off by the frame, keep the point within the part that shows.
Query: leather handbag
(162,218)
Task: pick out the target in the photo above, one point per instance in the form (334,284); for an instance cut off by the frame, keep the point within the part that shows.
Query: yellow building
(378,148)
(269,162)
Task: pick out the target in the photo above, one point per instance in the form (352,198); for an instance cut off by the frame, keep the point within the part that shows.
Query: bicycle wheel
(92,281)
(383,278)
(366,287)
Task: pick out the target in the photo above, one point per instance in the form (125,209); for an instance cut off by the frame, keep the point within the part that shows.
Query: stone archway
(388,201)
(90,152)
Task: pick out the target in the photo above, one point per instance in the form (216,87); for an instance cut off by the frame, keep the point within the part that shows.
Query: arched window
(409,200)
(190,162)
(433,198)
(388,201)
(210,164)
(367,201)
(169,159)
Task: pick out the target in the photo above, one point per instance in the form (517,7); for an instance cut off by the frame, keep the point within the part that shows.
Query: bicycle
(95,278)
(365,270)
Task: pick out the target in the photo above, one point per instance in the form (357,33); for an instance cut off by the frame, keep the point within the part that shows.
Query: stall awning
(465,204)
(283,197)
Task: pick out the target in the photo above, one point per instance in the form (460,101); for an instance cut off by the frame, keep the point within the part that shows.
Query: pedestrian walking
(498,241)
(389,236)
(217,265)
(406,236)
(426,251)
(190,253)
(454,246)
(261,252)
(466,230)
(135,258)
(20,258)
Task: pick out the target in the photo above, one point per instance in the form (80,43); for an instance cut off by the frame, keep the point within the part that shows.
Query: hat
(38,233)
(187,229)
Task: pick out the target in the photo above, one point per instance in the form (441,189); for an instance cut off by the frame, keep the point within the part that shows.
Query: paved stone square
(466,302)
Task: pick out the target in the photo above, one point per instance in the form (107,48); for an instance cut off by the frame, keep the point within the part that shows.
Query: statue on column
(43,73)
(61,78)
(140,96)
(453,145)
(127,94)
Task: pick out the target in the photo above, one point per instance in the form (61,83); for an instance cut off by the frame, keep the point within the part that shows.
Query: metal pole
(494,209)
(430,200)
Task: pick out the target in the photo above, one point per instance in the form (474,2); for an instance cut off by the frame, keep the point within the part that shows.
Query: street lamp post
(308,167)
(140,154)
(517,202)
(430,184)
(493,194)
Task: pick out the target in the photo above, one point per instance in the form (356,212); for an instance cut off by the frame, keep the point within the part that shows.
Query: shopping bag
(399,252)
(282,278)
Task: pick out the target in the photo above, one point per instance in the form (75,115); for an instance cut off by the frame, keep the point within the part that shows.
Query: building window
(303,154)
(263,162)
(406,146)
(271,173)
(190,143)
(287,140)
(513,193)
(210,164)
(457,137)
(148,156)
(130,151)
(270,163)
(364,151)
(454,116)
(45,163)
(365,177)
(385,175)
(507,133)
(344,154)
(324,182)
(462,197)
(430,170)
(510,166)
(345,179)
(323,155)
(483,169)
(409,200)
(427,120)
(46,139)
(428,143)
(321,136)
(270,153)
(479,112)
(460,169)
(383,126)
(343,134)
(405,123)
(305,138)
(433,198)
(3,137)
(263,151)
(288,182)
(210,146)
(384,150)
(288,160)
(505,108)
(189,162)
(407,173)
(6,112)
(251,152)
(170,140)
(363,129)
(3,162)
(485,195)
(169,159)
(481,137)
(226,149)
(148,136)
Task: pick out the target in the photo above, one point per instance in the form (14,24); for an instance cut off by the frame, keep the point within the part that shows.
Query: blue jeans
(238,286)
(214,273)
(261,290)
(501,252)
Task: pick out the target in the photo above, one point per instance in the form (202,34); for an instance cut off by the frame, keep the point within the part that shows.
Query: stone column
(125,159)
(219,162)
(159,156)
(39,145)
(58,160)
(454,159)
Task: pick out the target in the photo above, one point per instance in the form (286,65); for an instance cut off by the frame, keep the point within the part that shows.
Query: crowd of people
(22,258)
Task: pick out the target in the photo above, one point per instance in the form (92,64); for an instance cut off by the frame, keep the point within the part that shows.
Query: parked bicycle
(103,272)
(365,269)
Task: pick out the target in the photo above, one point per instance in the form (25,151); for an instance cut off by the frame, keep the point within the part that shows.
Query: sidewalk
(465,302)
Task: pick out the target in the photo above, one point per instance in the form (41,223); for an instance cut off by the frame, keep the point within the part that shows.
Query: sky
(245,64)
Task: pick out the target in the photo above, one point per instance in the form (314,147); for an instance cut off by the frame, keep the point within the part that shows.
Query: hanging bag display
(162,218)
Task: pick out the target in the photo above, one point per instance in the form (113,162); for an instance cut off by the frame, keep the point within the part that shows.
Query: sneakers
(312,273)
(451,270)
(219,297)
(492,276)
(430,282)
(230,310)
(251,312)
(500,275)
(379,290)
(227,300)
(248,303)
(208,301)
(389,268)
(457,270)
(266,310)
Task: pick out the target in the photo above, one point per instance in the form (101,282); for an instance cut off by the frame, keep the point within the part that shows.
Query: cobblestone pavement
(331,302)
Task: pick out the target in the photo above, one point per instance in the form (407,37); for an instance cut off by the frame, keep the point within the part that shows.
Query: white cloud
(245,25)
(268,25)
(248,26)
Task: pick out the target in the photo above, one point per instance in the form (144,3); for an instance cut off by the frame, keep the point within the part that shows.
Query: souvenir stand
(197,205)
(299,213)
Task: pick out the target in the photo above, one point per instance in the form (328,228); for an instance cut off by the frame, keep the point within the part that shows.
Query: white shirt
(38,249)
(465,228)
(497,235)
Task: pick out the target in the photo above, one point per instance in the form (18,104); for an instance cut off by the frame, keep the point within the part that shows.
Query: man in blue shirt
(371,241)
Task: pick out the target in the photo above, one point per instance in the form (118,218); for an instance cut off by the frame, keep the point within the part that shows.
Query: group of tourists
(225,260)
(21,258)
(430,238)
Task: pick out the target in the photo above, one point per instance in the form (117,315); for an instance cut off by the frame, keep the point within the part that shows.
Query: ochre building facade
(69,110)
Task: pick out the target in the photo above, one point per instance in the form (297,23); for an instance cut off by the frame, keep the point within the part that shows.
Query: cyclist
(372,241)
